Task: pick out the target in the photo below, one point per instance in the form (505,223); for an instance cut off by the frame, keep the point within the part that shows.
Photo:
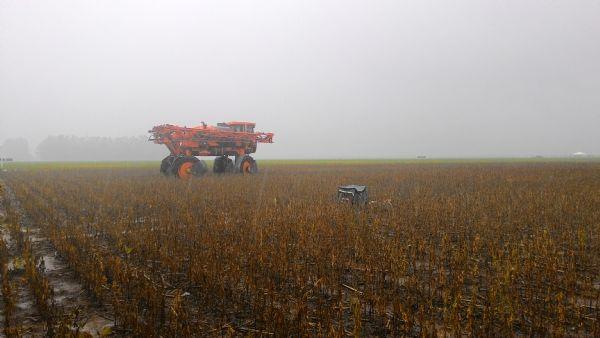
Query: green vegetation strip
(296,162)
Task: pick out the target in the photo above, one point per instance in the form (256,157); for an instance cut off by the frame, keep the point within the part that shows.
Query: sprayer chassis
(236,139)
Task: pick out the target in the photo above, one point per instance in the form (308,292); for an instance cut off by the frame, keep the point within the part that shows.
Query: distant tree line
(75,148)
(16,148)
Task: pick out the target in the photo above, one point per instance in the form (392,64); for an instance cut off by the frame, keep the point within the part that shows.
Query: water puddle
(97,325)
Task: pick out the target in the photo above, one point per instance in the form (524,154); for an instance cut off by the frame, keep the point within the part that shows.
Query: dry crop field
(463,248)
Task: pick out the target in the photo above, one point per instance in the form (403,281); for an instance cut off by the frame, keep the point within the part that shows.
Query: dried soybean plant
(456,249)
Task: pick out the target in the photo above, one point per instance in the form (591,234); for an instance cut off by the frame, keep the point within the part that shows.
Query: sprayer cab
(238,127)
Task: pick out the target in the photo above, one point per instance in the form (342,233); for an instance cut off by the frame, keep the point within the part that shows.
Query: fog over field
(331,79)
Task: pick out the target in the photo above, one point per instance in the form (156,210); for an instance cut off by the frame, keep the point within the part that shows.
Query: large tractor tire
(246,165)
(223,164)
(199,168)
(186,167)
(166,165)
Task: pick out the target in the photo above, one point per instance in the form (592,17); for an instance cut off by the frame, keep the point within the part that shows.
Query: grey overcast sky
(337,79)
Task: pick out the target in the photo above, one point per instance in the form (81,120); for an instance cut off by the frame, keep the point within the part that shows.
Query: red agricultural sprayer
(236,139)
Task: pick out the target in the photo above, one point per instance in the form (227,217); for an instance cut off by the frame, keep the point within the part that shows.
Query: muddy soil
(25,317)
(69,294)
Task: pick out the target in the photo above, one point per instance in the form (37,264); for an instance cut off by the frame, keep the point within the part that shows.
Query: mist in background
(332,79)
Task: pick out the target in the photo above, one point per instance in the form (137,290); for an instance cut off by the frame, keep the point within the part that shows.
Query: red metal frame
(205,140)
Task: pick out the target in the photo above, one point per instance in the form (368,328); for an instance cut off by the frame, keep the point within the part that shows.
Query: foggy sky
(332,79)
